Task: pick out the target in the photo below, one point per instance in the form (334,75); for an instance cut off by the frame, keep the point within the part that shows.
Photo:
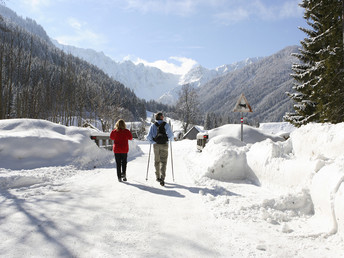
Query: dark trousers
(121,163)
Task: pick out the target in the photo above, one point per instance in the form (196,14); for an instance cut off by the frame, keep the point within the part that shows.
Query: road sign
(242,105)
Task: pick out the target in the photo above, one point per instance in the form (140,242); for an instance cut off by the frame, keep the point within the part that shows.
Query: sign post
(242,106)
(242,127)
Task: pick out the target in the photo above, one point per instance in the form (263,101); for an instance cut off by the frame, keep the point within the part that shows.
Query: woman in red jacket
(120,135)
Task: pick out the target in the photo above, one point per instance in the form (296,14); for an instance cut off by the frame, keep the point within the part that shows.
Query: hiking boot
(124,179)
(162,182)
(119,179)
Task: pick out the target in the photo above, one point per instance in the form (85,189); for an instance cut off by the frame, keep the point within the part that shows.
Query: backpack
(161,137)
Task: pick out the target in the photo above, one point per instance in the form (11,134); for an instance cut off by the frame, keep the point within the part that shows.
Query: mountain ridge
(264,84)
(264,80)
(162,86)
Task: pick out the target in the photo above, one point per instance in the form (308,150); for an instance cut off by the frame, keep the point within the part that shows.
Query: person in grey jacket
(160,145)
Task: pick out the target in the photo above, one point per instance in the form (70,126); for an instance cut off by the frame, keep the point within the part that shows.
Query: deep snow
(263,198)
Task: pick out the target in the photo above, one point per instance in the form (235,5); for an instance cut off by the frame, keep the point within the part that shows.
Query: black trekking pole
(150,146)
(172,161)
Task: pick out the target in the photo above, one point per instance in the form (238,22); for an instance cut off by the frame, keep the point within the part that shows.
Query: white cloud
(291,9)
(175,65)
(232,16)
(179,7)
(81,35)
(277,11)
(74,23)
(175,7)
(35,5)
(225,11)
(238,11)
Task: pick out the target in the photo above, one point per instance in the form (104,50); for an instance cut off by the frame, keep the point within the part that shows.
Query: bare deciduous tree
(187,106)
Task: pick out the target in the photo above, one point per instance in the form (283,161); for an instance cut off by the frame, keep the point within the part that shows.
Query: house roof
(192,129)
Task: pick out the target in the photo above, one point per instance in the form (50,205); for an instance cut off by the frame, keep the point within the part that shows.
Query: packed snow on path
(266,197)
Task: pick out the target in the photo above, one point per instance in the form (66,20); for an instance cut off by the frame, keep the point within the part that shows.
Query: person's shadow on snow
(156,190)
(167,190)
(204,191)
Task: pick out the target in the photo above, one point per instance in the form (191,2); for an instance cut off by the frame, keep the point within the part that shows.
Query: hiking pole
(150,146)
(172,161)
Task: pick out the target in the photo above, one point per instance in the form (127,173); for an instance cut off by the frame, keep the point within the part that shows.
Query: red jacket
(120,138)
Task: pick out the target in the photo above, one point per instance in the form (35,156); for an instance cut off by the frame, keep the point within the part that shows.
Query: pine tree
(207,122)
(319,76)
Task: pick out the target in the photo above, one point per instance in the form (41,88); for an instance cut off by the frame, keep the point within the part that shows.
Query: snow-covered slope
(146,82)
(200,75)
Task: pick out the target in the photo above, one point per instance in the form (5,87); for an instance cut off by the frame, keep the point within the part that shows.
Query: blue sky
(173,35)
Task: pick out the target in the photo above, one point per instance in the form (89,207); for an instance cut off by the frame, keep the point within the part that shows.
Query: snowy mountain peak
(150,82)
(200,75)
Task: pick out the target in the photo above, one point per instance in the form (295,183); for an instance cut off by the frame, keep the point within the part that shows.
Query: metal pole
(242,127)
(172,161)
(150,147)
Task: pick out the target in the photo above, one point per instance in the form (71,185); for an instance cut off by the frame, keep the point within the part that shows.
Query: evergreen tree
(39,81)
(207,122)
(319,76)
(215,122)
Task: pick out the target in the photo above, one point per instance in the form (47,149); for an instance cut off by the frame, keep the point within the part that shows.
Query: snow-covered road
(88,213)
(91,214)
(59,196)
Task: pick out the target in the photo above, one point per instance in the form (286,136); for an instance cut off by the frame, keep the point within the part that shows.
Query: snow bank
(274,166)
(312,160)
(309,163)
(319,141)
(308,166)
(323,144)
(224,157)
(250,134)
(327,195)
(339,209)
(30,143)
(282,129)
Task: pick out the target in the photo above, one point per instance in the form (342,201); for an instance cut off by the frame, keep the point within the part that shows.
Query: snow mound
(307,169)
(250,134)
(299,204)
(319,141)
(225,159)
(282,129)
(30,143)
(19,181)
(311,160)
(327,195)
(224,156)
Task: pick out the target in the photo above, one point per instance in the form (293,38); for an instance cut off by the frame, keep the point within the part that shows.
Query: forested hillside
(37,80)
(264,84)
